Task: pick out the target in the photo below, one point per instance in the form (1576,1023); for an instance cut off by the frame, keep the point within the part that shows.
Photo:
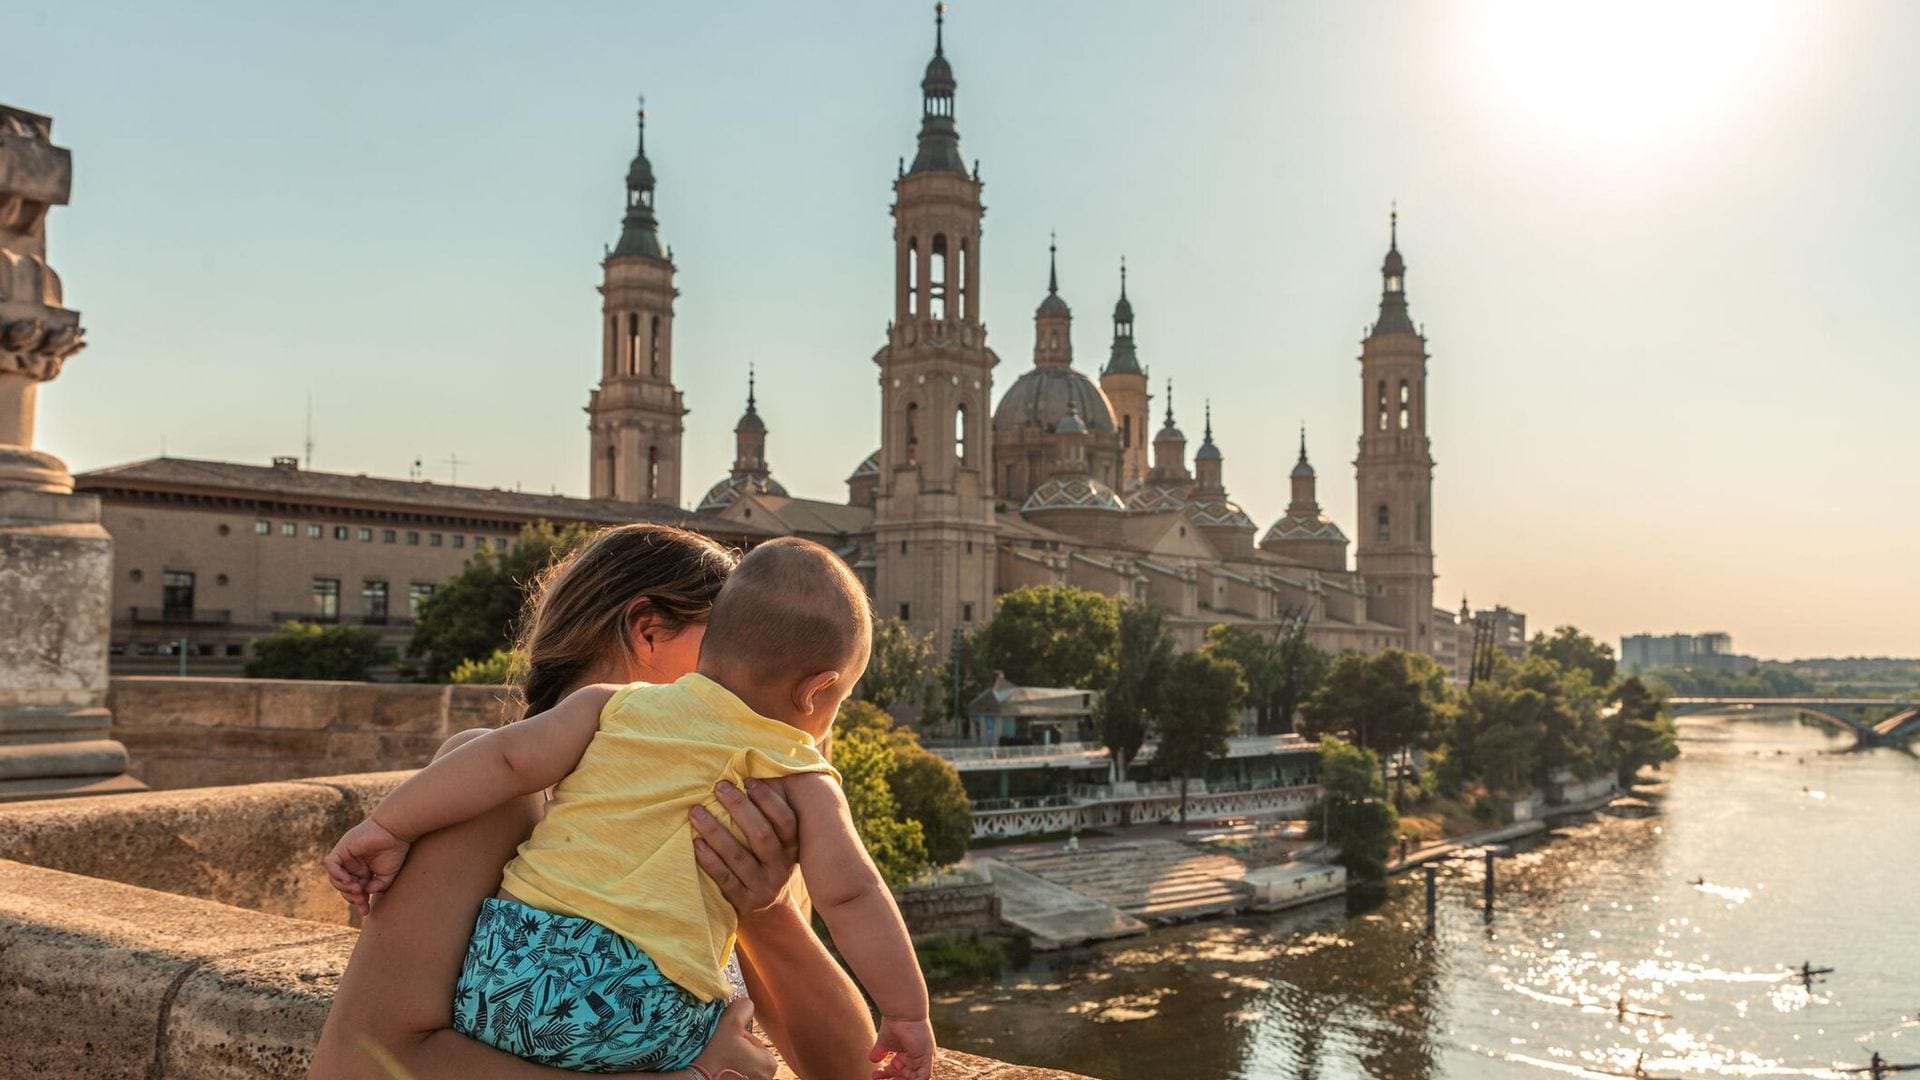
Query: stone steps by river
(1152,880)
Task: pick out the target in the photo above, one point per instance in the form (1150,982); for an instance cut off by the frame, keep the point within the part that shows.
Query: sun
(1629,71)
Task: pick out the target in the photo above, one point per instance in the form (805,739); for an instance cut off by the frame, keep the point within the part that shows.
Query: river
(1807,853)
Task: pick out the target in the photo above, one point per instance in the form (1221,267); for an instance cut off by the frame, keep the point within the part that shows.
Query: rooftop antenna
(453,460)
(309,461)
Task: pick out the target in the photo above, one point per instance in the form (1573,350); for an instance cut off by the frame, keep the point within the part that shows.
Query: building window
(913,277)
(966,612)
(633,344)
(339,532)
(613,491)
(434,539)
(479,543)
(315,532)
(176,594)
(653,472)
(220,579)
(388,536)
(262,528)
(459,541)
(417,594)
(373,595)
(224,530)
(499,543)
(960,433)
(1380,530)
(653,347)
(413,539)
(937,277)
(903,547)
(1126,432)
(906,611)
(1380,404)
(1406,403)
(969,547)
(365,535)
(326,598)
(964,307)
(235,650)
(913,432)
(135,575)
(288,528)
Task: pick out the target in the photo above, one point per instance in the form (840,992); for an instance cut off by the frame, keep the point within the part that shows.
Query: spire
(1123,360)
(1169,402)
(640,231)
(750,420)
(939,140)
(1393,292)
(1303,442)
(1208,451)
(1303,468)
(750,391)
(1052,305)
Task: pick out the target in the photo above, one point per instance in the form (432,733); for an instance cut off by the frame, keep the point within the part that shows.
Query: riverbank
(1449,847)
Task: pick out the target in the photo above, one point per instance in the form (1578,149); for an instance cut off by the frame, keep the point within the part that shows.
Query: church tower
(1395,467)
(1125,384)
(933,506)
(635,417)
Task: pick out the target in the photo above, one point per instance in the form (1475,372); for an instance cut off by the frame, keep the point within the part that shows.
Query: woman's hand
(734,1053)
(753,876)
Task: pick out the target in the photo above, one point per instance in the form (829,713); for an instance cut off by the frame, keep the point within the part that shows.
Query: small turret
(640,230)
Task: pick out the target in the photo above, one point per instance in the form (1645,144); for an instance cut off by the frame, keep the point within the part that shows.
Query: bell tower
(1124,382)
(1394,470)
(933,507)
(635,416)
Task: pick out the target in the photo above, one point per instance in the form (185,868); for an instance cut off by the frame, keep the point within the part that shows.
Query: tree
(480,609)
(900,667)
(925,788)
(1641,732)
(1197,715)
(310,651)
(1496,734)
(1575,651)
(1390,702)
(504,666)
(1568,710)
(898,847)
(1144,662)
(1356,820)
(1046,635)
(1257,651)
(1302,668)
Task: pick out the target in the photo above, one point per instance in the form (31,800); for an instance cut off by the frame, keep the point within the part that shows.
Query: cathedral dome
(1053,305)
(1072,493)
(1302,470)
(1303,527)
(1218,511)
(1044,395)
(869,466)
(1152,498)
(722,495)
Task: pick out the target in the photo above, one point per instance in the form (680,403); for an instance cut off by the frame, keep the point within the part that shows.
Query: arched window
(937,277)
(1126,432)
(613,345)
(1381,404)
(913,433)
(613,478)
(913,276)
(633,344)
(1009,489)
(965,307)
(653,347)
(1381,532)
(960,433)
(1406,403)
(653,472)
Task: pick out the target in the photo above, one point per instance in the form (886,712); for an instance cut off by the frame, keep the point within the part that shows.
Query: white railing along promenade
(969,758)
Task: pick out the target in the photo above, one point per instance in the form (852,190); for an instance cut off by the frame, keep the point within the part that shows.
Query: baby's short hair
(790,609)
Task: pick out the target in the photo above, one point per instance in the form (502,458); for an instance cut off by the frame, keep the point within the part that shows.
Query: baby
(605,948)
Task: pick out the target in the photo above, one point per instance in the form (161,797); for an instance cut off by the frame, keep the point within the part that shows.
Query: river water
(1807,853)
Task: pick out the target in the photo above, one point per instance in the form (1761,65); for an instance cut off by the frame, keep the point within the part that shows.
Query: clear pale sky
(1665,254)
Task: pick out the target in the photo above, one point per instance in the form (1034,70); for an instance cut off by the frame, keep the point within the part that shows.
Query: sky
(1664,253)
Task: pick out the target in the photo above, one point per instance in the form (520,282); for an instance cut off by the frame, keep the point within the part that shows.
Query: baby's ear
(808,689)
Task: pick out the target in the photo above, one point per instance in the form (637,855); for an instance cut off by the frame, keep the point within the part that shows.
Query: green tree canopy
(900,669)
(309,651)
(1356,819)
(1641,732)
(1571,736)
(1051,636)
(898,846)
(924,786)
(1144,664)
(1390,702)
(1197,715)
(1575,651)
(480,609)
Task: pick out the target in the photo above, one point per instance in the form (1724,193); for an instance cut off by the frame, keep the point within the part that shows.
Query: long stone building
(1069,478)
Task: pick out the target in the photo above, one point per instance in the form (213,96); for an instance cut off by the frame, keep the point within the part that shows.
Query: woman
(629,606)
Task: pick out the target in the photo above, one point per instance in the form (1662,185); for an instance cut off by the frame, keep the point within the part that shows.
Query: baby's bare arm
(518,759)
(849,894)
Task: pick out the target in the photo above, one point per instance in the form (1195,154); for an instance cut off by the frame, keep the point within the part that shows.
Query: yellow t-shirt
(616,847)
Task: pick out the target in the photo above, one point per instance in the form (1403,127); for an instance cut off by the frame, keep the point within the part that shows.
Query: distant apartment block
(1639,652)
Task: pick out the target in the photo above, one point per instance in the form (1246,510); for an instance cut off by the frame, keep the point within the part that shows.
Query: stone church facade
(1062,483)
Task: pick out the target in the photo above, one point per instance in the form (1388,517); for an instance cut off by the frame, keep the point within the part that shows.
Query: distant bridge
(1847,713)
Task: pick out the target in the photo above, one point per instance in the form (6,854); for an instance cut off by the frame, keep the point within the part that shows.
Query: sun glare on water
(1631,71)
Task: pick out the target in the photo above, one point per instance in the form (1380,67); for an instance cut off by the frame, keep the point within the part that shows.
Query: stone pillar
(56,562)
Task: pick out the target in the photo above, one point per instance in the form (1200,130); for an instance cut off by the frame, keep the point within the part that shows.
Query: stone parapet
(197,732)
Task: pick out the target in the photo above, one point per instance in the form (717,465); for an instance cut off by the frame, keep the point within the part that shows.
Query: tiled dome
(721,495)
(1301,527)
(1217,511)
(1072,493)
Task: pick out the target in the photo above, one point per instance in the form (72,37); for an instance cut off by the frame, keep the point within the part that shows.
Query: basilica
(1069,479)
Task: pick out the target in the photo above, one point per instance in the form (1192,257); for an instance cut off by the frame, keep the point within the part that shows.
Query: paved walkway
(1053,915)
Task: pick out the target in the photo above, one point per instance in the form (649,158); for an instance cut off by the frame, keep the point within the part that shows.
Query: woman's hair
(580,608)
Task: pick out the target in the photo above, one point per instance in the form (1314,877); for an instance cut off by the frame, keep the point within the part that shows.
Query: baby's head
(789,633)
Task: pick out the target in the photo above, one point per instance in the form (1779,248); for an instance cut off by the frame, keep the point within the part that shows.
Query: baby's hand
(364,862)
(910,1044)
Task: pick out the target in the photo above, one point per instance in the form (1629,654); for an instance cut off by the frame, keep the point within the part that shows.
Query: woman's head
(627,605)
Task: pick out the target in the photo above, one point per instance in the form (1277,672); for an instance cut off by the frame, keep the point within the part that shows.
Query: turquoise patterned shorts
(570,993)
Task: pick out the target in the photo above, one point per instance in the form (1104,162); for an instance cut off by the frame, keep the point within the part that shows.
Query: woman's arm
(807,1004)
